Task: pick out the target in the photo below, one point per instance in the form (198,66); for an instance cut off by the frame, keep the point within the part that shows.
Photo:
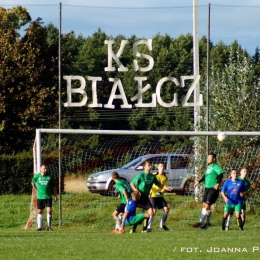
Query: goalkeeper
(45,186)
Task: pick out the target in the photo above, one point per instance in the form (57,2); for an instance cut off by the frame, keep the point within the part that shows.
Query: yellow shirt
(155,190)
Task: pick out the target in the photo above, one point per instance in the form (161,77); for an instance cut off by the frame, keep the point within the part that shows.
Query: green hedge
(16,172)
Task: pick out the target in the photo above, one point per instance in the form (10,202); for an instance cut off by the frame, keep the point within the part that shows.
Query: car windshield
(133,163)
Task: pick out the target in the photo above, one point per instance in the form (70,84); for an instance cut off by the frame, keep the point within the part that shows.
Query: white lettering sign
(117,89)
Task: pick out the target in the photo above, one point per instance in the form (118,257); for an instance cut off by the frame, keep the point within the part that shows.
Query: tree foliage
(29,77)
(29,82)
(234,96)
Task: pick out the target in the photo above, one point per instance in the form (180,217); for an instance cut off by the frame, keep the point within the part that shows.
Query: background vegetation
(29,87)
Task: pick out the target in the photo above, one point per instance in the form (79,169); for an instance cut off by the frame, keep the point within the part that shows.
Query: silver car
(177,167)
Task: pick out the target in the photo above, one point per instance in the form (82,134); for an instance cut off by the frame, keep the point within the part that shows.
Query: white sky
(227,23)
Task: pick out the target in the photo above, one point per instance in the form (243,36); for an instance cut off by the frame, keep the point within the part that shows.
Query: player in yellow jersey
(157,195)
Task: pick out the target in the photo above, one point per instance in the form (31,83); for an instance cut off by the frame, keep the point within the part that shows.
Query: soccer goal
(70,152)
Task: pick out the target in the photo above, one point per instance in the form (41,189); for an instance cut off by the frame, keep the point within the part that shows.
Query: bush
(16,173)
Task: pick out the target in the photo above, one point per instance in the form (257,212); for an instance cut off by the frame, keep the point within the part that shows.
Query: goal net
(85,152)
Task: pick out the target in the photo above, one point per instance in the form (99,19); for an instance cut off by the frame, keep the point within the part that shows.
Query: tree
(234,96)
(29,77)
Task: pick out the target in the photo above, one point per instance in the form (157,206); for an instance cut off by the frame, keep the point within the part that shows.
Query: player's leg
(151,205)
(164,206)
(238,216)
(40,207)
(228,211)
(49,213)
(137,220)
(212,197)
(228,222)
(115,216)
(203,210)
(243,213)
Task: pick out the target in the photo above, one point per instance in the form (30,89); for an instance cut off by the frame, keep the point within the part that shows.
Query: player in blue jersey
(233,192)
(130,217)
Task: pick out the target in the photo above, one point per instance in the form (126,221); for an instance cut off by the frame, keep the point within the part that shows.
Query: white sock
(208,216)
(150,221)
(203,215)
(39,220)
(117,223)
(49,219)
(161,224)
(228,222)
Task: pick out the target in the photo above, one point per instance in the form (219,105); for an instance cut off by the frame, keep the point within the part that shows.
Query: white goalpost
(129,132)
(70,132)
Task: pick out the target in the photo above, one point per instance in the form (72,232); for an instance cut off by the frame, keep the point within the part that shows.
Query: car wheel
(112,190)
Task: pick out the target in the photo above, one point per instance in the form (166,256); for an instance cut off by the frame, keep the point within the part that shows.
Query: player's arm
(157,183)
(224,196)
(34,183)
(54,190)
(125,195)
(219,180)
(223,192)
(198,182)
(244,192)
(134,184)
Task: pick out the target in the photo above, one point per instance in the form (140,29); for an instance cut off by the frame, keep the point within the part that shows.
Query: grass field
(87,223)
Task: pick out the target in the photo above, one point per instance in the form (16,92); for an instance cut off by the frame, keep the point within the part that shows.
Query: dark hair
(115,175)
(160,163)
(214,155)
(145,162)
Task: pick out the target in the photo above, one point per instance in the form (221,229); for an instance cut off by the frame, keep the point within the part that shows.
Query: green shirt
(122,185)
(247,183)
(144,182)
(213,170)
(44,185)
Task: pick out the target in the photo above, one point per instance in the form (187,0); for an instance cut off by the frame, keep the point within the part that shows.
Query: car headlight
(93,178)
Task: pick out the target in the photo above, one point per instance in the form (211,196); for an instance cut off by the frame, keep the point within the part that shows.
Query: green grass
(87,223)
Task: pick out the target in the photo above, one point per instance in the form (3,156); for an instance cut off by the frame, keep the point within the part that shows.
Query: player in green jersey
(45,186)
(124,190)
(143,183)
(212,179)
(243,176)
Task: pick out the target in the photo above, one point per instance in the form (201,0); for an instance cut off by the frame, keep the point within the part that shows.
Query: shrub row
(16,173)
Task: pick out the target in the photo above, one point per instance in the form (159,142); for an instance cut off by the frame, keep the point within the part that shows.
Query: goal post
(73,154)
(129,132)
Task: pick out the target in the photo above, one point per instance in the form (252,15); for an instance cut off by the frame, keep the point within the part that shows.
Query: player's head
(147,166)
(212,157)
(160,167)
(43,169)
(234,174)
(243,173)
(135,195)
(115,176)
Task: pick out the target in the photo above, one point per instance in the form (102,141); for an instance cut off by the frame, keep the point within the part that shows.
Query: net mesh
(83,155)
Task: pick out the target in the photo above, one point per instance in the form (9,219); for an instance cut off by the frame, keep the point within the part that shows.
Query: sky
(229,19)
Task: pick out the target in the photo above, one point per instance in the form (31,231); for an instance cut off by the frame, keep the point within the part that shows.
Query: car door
(178,171)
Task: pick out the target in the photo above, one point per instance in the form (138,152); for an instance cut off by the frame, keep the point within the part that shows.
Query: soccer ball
(222,136)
